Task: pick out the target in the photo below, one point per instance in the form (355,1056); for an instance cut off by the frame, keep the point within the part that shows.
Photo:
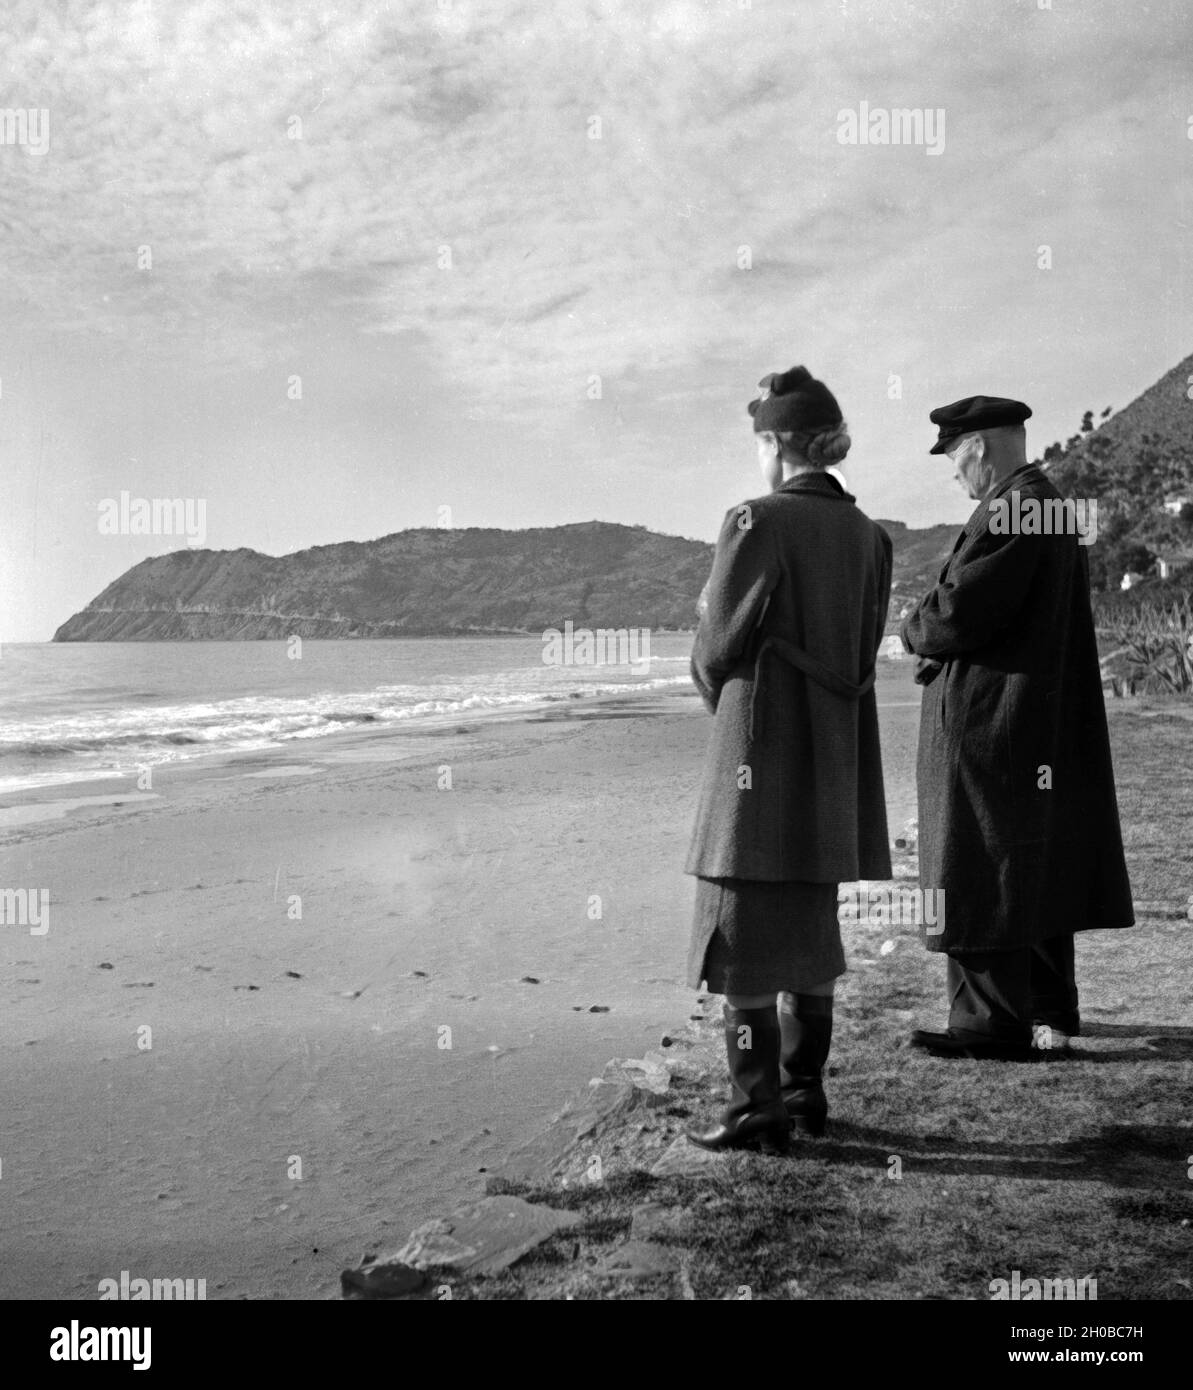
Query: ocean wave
(149,734)
(65,747)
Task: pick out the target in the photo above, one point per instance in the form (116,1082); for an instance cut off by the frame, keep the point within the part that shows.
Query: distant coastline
(426,582)
(446,635)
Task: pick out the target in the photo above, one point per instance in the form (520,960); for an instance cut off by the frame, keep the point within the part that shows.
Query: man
(1019,838)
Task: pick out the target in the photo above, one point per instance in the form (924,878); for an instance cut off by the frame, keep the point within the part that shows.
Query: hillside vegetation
(1133,463)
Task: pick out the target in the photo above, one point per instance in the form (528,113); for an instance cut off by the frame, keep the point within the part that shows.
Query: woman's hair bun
(829,446)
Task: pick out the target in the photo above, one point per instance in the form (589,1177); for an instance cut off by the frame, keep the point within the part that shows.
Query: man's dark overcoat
(793,615)
(1018,821)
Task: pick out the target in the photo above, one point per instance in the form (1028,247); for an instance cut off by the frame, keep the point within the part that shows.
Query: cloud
(596,173)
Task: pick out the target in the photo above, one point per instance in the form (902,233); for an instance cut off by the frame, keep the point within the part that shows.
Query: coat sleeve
(745,570)
(979,596)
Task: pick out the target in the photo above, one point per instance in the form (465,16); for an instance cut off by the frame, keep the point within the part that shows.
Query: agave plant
(1153,647)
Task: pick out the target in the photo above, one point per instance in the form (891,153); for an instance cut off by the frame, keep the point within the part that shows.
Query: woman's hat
(794,400)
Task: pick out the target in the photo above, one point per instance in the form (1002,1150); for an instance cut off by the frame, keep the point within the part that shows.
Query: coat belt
(813,669)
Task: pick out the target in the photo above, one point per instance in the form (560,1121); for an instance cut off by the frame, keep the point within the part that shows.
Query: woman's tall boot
(755,1117)
(806,1025)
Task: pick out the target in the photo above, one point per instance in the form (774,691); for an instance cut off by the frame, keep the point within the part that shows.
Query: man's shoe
(1050,1041)
(974,1046)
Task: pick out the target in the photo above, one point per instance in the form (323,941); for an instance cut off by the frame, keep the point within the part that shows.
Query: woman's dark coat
(1018,819)
(793,779)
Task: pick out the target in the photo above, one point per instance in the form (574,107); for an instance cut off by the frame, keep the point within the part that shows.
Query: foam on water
(99,737)
(92,710)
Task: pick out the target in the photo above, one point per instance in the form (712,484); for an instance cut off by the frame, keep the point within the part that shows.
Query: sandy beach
(299,1101)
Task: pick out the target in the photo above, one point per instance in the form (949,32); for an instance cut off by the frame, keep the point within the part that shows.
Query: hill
(1133,464)
(919,553)
(423,582)
(435,583)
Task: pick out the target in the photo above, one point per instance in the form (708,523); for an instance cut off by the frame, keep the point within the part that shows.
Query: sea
(78,711)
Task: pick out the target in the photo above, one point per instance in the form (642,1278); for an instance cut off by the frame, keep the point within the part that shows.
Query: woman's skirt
(750,937)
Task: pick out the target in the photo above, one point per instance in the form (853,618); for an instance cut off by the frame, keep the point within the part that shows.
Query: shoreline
(329,747)
(468,633)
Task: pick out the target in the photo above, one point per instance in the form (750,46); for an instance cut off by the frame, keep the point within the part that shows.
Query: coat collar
(821,484)
(1027,473)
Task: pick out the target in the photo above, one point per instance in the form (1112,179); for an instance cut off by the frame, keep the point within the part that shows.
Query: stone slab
(482,1237)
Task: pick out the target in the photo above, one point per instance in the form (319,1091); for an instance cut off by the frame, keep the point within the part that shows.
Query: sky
(337,270)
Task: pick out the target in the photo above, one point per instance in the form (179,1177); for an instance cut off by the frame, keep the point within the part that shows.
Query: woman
(792,802)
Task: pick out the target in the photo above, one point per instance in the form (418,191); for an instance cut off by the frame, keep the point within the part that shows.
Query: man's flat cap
(975,413)
(794,400)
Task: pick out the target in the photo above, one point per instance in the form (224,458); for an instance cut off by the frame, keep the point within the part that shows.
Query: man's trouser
(1002,993)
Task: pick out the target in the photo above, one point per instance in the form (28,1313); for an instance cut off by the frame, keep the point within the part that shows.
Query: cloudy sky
(527,261)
